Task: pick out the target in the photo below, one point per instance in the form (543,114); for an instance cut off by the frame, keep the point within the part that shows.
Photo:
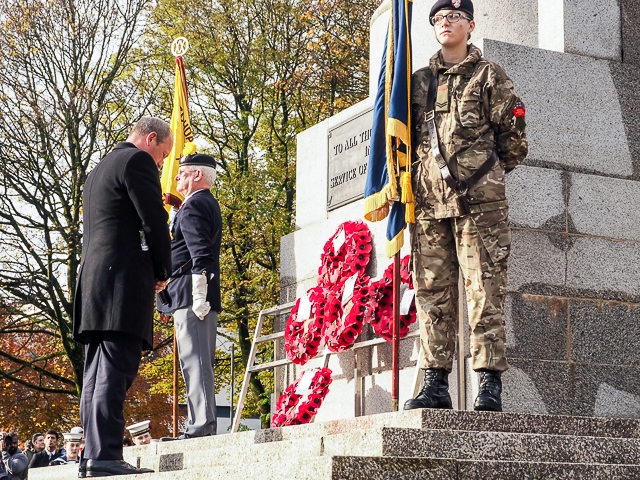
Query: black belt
(460,187)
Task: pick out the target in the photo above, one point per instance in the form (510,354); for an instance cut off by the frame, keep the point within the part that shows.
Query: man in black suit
(194,289)
(51,454)
(126,256)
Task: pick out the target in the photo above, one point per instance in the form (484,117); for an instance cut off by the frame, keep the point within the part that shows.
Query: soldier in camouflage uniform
(477,111)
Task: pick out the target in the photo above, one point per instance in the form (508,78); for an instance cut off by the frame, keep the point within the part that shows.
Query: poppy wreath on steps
(297,408)
(382,320)
(343,323)
(302,338)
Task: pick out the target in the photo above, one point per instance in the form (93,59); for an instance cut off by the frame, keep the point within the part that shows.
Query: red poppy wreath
(300,402)
(382,320)
(344,319)
(303,331)
(345,254)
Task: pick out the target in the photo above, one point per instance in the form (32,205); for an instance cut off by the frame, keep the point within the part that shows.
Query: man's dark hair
(35,436)
(53,432)
(147,125)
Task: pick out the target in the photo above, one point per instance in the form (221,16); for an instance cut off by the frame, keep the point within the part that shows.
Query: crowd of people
(52,448)
(41,450)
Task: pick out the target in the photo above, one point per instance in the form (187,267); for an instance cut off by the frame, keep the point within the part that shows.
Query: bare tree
(64,103)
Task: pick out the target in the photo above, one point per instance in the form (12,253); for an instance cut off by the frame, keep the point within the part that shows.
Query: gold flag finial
(179,46)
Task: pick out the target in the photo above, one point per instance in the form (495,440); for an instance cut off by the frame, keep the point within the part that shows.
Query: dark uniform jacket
(43,459)
(126,246)
(478,119)
(196,236)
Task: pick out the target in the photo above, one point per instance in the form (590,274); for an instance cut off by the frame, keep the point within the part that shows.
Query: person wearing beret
(126,259)
(193,293)
(468,132)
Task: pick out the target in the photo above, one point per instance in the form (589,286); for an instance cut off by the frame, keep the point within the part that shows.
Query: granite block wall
(630,12)
(574,280)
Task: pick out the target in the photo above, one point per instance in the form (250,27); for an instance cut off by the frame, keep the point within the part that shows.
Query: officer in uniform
(193,293)
(468,132)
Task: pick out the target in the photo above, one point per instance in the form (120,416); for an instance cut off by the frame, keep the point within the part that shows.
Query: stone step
(148,455)
(375,468)
(417,419)
(460,435)
(528,423)
(509,446)
(399,442)
(465,420)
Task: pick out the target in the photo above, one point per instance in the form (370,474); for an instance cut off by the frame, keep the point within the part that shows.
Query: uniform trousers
(479,246)
(196,341)
(111,365)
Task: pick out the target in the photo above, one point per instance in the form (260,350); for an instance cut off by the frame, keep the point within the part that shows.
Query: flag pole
(395,366)
(175,382)
(180,126)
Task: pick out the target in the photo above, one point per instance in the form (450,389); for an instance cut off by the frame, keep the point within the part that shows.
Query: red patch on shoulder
(518,110)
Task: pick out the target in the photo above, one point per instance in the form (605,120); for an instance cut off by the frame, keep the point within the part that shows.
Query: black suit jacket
(196,232)
(122,203)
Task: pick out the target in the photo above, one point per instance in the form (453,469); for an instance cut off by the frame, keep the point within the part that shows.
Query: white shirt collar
(193,193)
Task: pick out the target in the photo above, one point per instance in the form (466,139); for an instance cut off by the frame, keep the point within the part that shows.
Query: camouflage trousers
(479,246)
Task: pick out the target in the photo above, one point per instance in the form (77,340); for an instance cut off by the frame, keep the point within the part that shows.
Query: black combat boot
(434,393)
(488,399)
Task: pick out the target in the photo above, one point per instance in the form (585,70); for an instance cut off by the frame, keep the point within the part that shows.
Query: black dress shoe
(108,468)
(82,469)
(434,393)
(489,390)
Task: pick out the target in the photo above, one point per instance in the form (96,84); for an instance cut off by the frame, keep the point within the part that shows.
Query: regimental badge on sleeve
(518,116)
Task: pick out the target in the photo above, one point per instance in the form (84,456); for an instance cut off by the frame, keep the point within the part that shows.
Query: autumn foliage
(75,76)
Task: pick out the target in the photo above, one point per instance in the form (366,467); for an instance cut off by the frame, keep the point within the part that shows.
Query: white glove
(200,305)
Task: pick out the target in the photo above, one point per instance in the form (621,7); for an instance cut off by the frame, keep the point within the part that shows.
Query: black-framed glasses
(451,18)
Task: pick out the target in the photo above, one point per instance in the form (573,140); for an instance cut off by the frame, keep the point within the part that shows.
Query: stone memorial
(573,304)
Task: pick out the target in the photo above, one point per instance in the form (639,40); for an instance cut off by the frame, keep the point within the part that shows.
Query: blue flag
(387,191)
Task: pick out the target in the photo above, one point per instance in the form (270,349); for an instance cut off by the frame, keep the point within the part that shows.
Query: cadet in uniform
(468,132)
(72,442)
(140,432)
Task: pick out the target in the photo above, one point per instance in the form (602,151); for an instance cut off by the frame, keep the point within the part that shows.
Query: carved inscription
(348,159)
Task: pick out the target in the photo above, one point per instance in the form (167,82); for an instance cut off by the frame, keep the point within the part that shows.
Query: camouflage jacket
(480,118)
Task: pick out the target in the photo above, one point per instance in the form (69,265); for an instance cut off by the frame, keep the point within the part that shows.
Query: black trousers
(111,365)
